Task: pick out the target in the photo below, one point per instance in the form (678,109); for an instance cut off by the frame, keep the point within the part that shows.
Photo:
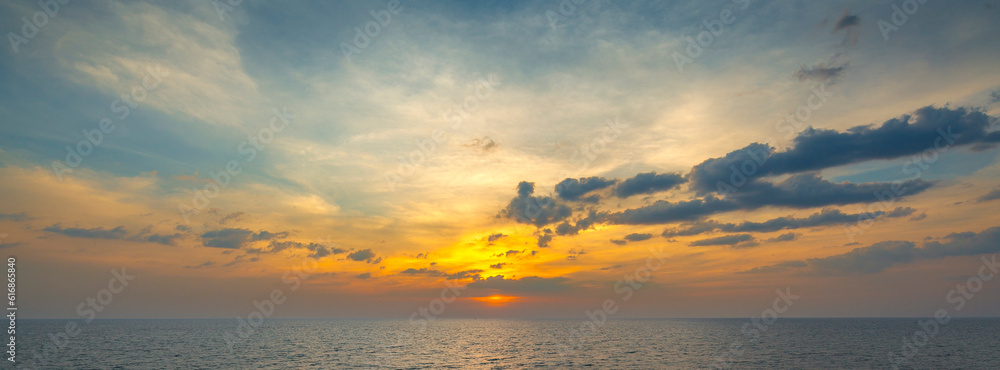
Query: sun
(496,299)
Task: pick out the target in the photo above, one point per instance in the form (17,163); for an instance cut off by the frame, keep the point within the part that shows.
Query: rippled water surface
(505,344)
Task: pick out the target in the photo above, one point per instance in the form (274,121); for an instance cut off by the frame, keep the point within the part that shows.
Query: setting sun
(496,299)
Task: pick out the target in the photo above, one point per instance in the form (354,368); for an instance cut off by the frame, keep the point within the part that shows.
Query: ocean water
(508,344)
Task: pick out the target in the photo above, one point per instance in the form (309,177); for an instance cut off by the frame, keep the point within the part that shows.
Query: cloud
(497,266)
(484,144)
(808,190)
(636,237)
(846,21)
(723,240)
(240,259)
(495,237)
(825,217)
(169,239)
(706,177)
(94,233)
(364,255)
(538,211)
(235,238)
(926,128)
(235,216)
(992,195)
(821,72)
(117,233)
(421,271)
(202,265)
(813,150)
(530,284)
(363,276)
(544,239)
(882,255)
(662,211)
(736,181)
(573,189)
(265,235)
(619,241)
(784,238)
(17,217)
(227,238)
(320,251)
(899,212)
(648,183)
(778,267)
(584,223)
(474,274)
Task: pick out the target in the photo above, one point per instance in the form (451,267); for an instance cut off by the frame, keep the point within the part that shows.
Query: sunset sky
(530,156)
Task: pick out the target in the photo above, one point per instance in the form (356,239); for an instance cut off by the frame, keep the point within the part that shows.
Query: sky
(503,159)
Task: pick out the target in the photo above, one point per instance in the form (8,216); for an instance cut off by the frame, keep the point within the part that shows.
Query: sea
(835,343)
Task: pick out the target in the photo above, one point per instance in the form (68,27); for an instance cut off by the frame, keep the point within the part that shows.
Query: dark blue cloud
(882,255)
(636,237)
(809,190)
(538,211)
(474,274)
(364,255)
(825,217)
(573,189)
(94,233)
(784,238)
(723,240)
(18,217)
(318,250)
(165,239)
(662,211)
(648,183)
(821,72)
(928,128)
(421,271)
(236,238)
(992,195)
